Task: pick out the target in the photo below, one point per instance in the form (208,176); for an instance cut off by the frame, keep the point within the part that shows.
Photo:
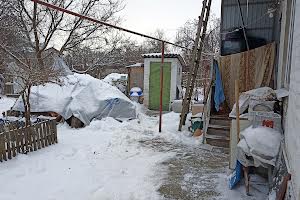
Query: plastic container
(268,119)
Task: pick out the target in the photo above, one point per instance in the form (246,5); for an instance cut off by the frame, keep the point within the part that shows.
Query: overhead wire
(249,24)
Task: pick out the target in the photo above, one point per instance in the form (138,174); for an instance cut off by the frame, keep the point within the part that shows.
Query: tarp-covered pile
(81,96)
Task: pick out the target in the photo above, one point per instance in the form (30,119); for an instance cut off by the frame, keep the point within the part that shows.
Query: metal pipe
(243,25)
(247,45)
(103,23)
(161,83)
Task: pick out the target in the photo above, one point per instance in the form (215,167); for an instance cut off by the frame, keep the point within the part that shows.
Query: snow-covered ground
(109,160)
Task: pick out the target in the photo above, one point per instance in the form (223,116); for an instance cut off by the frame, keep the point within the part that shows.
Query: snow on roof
(158,55)
(114,77)
(166,55)
(136,65)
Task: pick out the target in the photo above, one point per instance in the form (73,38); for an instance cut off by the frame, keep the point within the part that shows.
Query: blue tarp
(219,96)
(236,175)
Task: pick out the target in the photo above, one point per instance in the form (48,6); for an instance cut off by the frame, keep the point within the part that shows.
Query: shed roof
(166,55)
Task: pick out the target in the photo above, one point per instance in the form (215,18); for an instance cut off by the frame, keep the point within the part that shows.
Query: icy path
(109,160)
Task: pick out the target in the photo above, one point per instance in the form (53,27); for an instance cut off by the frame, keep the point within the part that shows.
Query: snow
(6,103)
(114,77)
(152,54)
(262,143)
(136,65)
(80,95)
(258,188)
(263,140)
(106,161)
(101,161)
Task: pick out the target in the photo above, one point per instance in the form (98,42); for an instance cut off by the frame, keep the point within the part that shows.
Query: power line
(247,25)
(103,23)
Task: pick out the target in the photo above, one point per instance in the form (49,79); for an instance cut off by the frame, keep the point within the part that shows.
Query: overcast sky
(146,16)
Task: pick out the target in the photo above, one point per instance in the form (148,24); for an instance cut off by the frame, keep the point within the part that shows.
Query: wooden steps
(218,132)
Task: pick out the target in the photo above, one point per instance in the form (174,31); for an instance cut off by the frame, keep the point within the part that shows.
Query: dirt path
(193,172)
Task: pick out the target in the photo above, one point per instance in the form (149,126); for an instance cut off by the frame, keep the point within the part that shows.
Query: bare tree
(27,74)
(154,46)
(27,30)
(186,36)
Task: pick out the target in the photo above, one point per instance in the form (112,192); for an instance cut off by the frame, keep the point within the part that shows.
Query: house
(277,24)
(51,58)
(172,77)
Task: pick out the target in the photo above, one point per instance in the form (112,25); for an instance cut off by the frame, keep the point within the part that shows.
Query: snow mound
(82,96)
(110,78)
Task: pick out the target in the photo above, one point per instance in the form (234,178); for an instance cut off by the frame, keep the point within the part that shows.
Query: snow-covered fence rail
(27,139)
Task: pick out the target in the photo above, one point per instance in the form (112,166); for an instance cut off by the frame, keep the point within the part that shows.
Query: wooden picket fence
(27,139)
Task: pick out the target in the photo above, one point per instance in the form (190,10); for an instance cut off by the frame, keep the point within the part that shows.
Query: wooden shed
(135,76)
(173,65)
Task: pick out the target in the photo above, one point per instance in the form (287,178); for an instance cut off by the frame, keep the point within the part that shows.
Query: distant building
(172,79)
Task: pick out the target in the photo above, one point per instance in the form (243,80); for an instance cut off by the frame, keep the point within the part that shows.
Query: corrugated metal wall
(258,21)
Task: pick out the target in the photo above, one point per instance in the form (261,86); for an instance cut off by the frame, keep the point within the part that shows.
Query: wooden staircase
(218,132)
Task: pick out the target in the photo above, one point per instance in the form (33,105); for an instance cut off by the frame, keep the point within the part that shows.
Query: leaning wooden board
(244,123)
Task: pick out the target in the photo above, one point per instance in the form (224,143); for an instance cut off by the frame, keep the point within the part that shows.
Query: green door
(154,85)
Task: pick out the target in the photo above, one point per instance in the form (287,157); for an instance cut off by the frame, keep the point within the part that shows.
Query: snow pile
(170,122)
(110,78)
(262,143)
(102,161)
(81,96)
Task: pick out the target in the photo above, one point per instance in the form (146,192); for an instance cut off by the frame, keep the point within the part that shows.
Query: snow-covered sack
(263,93)
(262,143)
(82,96)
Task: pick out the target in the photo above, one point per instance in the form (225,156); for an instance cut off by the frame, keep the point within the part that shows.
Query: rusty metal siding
(258,22)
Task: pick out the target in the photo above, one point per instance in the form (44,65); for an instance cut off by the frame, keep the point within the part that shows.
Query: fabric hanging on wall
(254,74)
(219,97)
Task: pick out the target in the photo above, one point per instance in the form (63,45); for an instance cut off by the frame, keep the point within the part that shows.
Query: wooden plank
(8,147)
(13,140)
(38,134)
(50,133)
(233,140)
(22,139)
(55,131)
(46,134)
(18,140)
(42,135)
(4,153)
(2,147)
(33,135)
(27,139)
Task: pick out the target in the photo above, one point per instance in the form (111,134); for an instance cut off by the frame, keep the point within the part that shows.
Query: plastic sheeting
(81,96)
(263,93)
